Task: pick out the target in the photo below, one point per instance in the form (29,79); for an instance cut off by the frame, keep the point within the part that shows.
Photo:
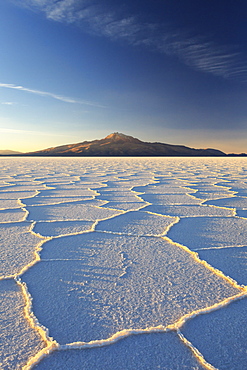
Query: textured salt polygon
(212,188)
(241,192)
(25,188)
(61,228)
(63,181)
(231,261)
(130,183)
(218,240)
(4,187)
(57,179)
(163,189)
(239,187)
(137,223)
(221,336)
(68,193)
(147,351)
(9,203)
(19,341)
(116,198)
(189,211)
(69,211)
(124,195)
(109,189)
(93,202)
(125,206)
(43,200)
(17,246)
(168,199)
(12,215)
(92,285)
(4,179)
(210,232)
(211,195)
(74,185)
(26,181)
(234,202)
(16,194)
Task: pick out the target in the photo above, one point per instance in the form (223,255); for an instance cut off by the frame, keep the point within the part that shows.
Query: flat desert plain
(123,263)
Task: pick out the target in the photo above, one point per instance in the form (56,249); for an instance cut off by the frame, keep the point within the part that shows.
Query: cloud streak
(50,95)
(29,132)
(196,52)
(7,103)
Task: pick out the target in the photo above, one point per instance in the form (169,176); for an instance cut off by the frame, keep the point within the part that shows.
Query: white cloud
(196,52)
(51,95)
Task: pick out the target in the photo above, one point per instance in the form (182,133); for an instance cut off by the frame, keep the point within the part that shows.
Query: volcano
(117,144)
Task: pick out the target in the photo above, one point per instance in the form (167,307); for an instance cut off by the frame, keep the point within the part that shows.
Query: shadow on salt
(242,213)
(221,336)
(92,285)
(146,351)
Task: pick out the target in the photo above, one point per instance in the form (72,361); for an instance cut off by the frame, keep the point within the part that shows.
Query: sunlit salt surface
(12,215)
(57,228)
(103,283)
(17,247)
(18,340)
(125,262)
(137,223)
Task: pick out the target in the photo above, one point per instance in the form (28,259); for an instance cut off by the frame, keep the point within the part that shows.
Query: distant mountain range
(118,144)
(9,152)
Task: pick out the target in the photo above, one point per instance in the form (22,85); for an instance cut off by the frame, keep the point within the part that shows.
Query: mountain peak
(118,136)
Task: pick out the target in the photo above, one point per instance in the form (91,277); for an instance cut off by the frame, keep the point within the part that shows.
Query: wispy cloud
(7,103)
(197,52)
(204,55)
(50,95)
(29,132)
(15,131)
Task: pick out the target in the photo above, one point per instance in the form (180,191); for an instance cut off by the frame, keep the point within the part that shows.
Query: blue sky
(161,70)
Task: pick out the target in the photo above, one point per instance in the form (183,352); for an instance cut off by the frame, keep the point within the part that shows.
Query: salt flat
(122,263)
